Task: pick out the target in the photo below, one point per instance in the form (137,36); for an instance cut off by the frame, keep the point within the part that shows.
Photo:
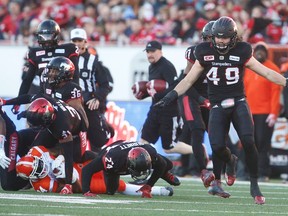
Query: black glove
(168,99)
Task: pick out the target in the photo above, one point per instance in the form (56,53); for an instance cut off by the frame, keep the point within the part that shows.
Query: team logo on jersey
(39,53)
(60,51)
(209,58)
(234,58)
(48,91)
(221,57)
(58,95)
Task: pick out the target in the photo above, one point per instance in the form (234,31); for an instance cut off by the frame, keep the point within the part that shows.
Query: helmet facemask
(139,163)
(32,168)
(224,27)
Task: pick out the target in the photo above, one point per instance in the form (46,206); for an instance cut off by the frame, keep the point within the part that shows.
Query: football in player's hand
(156,86)
(139,90)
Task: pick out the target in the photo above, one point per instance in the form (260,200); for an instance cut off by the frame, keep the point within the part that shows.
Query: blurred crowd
(125,22)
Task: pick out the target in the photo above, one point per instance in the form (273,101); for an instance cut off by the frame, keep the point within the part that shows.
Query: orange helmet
(32,167)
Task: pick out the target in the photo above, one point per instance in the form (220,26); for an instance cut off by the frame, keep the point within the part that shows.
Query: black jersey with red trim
(114,156)
(201,84)
(38,58)
(67,92)
(224,72)
(67,121)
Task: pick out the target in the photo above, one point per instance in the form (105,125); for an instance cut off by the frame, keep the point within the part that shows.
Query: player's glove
(4,161)
(146,191)
(2,102)
(58,167)
(168,99)
(204,102)
(67,189)
(15,109)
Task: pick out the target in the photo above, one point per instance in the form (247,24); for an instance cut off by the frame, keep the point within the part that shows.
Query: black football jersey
(224,72)
(40,57)
(67,121)
(115,156)
(201,84)
(65,93)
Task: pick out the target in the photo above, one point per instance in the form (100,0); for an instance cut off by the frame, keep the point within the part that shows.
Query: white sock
(156,190)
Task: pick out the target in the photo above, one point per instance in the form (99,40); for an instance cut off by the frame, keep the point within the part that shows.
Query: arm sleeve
(159,166)
(22,99)
(26,82)
(102,82)
(76,76)
(94,166)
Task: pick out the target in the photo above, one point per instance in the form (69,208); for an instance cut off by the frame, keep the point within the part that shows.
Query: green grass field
(190,198)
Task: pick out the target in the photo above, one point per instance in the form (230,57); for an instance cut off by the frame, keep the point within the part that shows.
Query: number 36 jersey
(224,72)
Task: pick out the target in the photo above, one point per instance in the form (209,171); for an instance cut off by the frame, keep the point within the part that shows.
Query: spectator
(263,98)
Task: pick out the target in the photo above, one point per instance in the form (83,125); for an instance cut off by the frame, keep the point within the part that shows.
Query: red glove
(67,189)
(2,102)
(15,109)
(146,191)
(206,104)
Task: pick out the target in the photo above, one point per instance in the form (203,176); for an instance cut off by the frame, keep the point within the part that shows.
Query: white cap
(78,33)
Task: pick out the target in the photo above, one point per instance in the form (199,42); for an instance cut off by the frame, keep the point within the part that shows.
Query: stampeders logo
(123,130)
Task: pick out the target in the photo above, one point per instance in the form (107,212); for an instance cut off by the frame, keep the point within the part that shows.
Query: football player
(123,158)
(14,143)
(224,60)
(194,109)
(48,37)
(45,170)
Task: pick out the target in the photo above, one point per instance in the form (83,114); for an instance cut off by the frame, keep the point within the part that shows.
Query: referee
(92,75)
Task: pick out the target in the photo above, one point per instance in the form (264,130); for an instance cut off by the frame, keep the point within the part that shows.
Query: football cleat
(230,173)
(171,179)
(67,189)
(255,192)
(169,191)
(259,200)
(207,177)
(216,189)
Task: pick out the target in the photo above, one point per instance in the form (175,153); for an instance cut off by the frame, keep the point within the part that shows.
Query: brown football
(139,90)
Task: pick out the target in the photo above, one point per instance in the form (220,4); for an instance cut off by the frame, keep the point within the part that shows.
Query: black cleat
(216,189)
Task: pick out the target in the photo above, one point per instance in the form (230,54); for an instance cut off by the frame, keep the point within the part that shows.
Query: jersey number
(231,75)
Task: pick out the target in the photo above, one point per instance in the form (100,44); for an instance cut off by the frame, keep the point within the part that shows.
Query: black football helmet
(139,163)
(58,70)
(48,34)
(40,113)
(224,27)
(207,31)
